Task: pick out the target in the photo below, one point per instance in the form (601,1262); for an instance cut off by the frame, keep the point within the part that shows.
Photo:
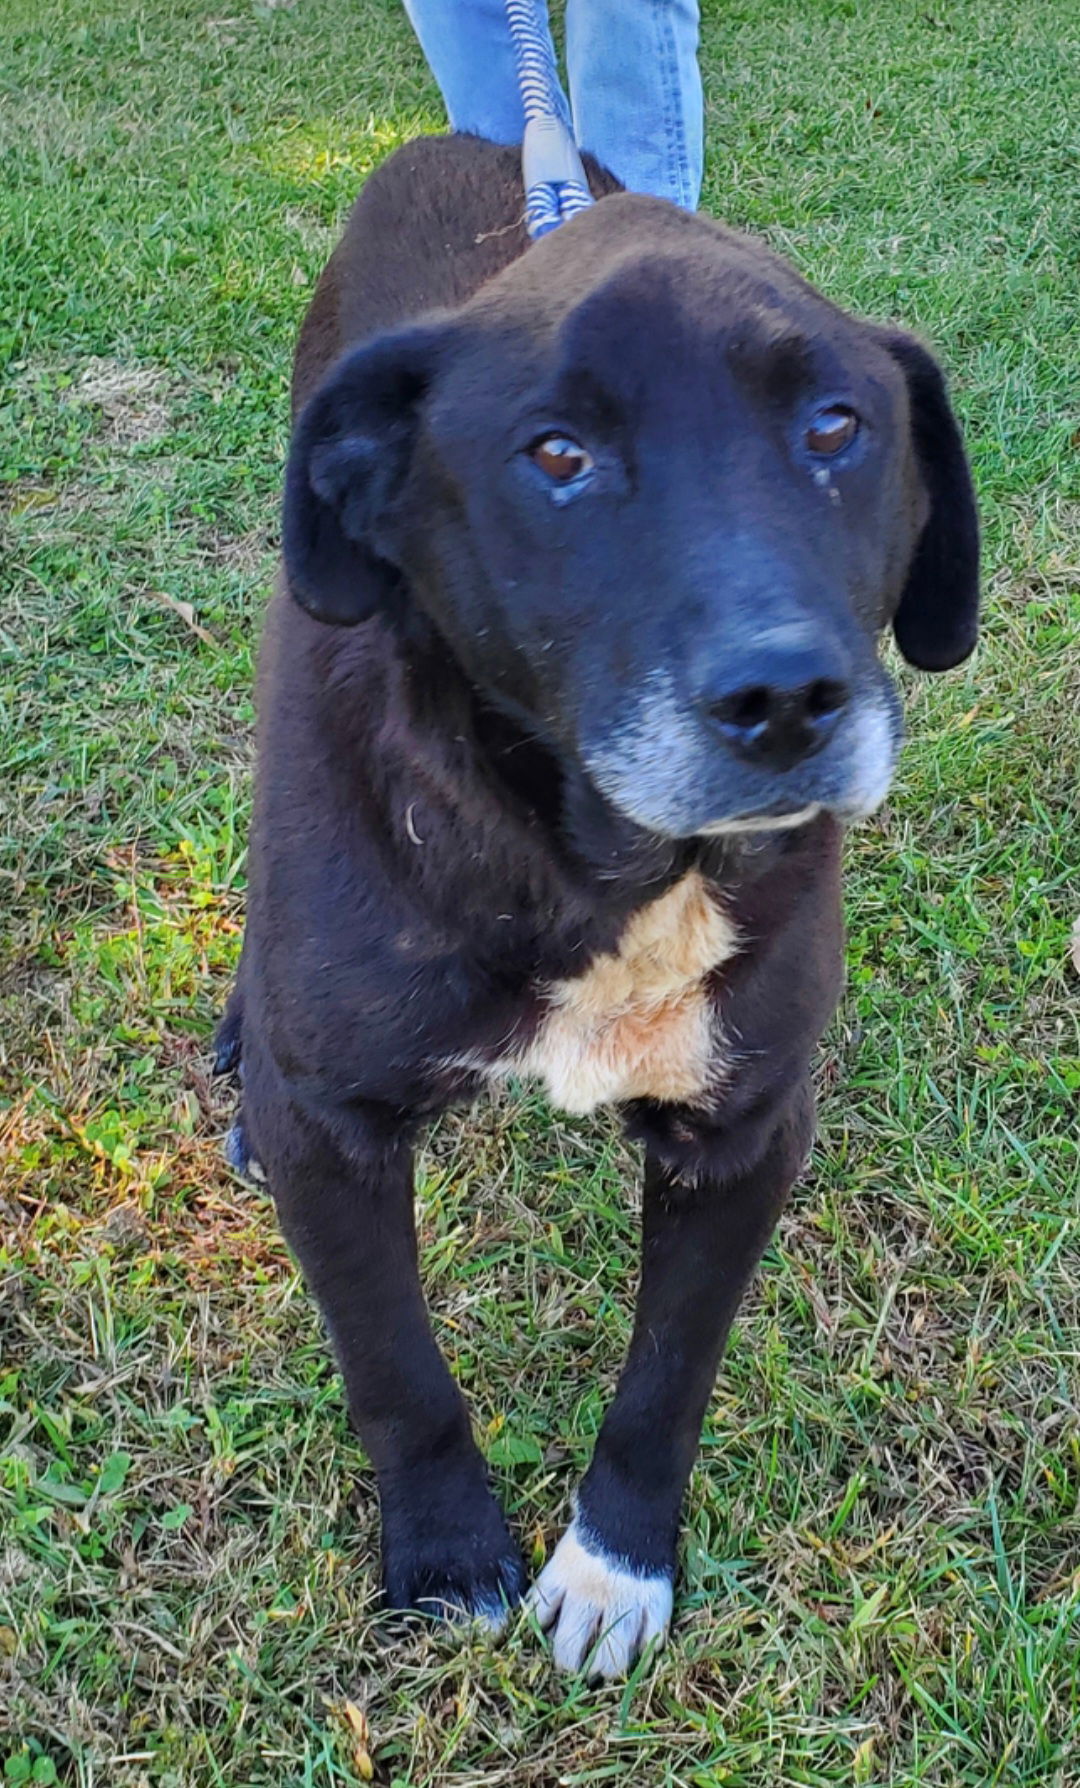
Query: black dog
(604,543)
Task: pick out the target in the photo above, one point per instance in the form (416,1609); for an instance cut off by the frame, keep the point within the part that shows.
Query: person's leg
(635,88)
(470,52)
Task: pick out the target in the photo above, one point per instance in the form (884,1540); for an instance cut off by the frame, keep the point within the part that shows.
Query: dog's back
(452,207)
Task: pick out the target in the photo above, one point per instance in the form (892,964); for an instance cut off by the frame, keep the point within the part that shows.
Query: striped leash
(555,184)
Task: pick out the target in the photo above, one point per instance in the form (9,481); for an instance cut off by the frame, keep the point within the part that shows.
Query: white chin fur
(596,1611)
(876,752)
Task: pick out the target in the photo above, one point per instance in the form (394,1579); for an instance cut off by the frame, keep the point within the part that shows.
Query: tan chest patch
(639,1023)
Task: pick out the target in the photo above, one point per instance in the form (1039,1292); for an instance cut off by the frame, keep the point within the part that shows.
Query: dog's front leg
(345,1202)
(609,1581)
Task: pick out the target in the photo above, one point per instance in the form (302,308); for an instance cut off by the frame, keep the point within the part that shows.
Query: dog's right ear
(348,461)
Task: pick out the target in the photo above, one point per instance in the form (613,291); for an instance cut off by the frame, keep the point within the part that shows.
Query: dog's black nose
(788,708)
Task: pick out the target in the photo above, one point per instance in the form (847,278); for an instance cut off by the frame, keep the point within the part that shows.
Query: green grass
(881,1573)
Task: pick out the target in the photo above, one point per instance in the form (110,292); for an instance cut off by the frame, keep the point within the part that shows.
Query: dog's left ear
(937,622)
(348,462)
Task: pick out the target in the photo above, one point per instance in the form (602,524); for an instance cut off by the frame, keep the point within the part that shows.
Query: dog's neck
(457,765)
(533,778)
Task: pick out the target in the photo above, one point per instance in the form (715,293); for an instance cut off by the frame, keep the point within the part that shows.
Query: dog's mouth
(764,822)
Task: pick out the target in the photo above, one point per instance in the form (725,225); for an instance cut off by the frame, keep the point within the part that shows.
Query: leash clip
(549,154)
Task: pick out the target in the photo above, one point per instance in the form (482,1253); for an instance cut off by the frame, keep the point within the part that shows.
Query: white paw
(584,1596)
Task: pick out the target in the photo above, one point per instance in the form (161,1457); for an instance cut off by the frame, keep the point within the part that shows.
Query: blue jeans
(635,85)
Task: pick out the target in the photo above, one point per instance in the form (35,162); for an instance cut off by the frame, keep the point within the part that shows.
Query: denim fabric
(635,86)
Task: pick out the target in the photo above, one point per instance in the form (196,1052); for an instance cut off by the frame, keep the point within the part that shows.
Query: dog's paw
(473,1571)
(461,1592)
(599,1613)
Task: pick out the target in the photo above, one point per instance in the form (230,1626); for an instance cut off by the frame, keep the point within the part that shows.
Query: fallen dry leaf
(357,1720)
(187,615)
(1074,945)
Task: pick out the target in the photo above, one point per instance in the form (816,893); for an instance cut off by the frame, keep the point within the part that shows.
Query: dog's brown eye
(832,430)
(561,458)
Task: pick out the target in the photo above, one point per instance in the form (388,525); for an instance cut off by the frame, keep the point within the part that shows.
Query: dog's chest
(639,1023)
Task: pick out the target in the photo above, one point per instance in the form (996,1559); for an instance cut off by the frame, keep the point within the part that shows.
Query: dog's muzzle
(761,756)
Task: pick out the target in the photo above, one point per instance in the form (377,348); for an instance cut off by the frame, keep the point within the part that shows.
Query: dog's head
(659,498)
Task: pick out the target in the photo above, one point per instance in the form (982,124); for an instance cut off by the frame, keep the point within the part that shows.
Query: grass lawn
(881,1571)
